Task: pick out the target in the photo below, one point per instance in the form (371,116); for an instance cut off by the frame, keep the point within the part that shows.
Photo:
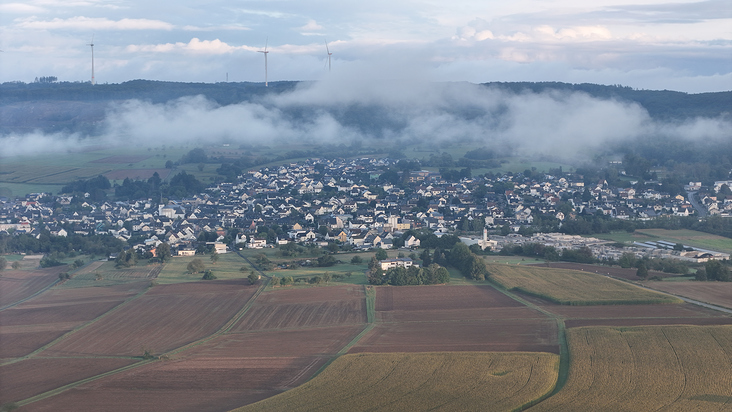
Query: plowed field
(323,306)
(31,377)
(529,335)
(16,285)
(30,325)
(716,293)
(164,318)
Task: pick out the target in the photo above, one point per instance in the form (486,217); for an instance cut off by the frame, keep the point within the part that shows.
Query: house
(186,252)
(398,262)
(257,243)
(412,242)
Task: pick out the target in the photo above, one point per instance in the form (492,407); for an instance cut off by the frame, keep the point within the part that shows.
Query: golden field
(669,368)
(572,287)
(448,381)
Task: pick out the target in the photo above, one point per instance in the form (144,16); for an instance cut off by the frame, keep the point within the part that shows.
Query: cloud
(312,28)
(21,8)
(194,46)
(387,112)
(94,23)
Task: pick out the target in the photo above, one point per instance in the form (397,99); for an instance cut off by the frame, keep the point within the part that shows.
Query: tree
(381,254)
(627,260)
(15,265)
(717,271)
(163,252)
(253,278)
(275,281)
(327,277)
(214,257)
(195,266)
(208,275)
(642,271)
(3,263)
(356,260)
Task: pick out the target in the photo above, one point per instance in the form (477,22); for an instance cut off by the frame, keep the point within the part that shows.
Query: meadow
(571,287)
(422,381)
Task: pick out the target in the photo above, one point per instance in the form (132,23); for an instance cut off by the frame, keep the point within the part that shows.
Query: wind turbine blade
(265,44)
(326,47)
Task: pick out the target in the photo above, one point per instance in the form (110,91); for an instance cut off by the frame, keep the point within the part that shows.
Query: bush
(208,275)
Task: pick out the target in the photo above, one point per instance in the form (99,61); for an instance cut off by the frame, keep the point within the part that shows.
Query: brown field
(573,323)
(121,159)
(293,308)
(136,174)
(191,385)
(571,287)
(421,382)
(498,335)
(16,285)
(31,377)
(612,271)
(716,293)
(670,368)
(164,318)
(325,341)
(38,321)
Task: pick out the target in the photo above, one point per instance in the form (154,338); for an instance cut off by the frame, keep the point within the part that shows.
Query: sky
(646,44)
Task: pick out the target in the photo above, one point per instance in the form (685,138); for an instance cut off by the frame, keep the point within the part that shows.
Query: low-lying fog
(343,110)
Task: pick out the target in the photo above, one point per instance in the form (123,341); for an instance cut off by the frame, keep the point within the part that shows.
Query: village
(349,203)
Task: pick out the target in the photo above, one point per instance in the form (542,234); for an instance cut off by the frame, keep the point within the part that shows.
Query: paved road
(701,210)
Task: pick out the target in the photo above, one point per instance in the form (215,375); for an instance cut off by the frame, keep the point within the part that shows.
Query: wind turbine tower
(329,54)
(93,82)
(265,61)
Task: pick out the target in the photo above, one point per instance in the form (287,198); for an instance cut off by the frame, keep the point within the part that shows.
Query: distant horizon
(315,81)
(683,45)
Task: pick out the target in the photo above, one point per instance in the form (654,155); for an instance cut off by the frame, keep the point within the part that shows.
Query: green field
(571,287)
(227,267)
(447,381)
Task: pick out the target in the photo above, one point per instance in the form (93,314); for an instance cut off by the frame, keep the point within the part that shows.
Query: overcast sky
(648,44)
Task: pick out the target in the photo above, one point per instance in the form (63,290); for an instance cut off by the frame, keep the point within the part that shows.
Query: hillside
(80,107)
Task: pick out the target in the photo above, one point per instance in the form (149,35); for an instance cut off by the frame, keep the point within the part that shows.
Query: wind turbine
(329,54)
(93,82)
(265,60)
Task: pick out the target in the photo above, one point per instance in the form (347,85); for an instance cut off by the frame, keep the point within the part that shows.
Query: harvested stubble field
(21,380)
(297,308)
(38,321)
(164,318)
(16,285)
(571,287)
(716,293)
(670,368)
(425,381)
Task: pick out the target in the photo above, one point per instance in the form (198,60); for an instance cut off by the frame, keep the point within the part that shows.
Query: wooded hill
(79,107)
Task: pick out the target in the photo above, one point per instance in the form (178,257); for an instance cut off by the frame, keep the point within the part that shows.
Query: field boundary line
(78,328)
(563,373)
(72,385)
(227,326)
(10,305)
(64,388)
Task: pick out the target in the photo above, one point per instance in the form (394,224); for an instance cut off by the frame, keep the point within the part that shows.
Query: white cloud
(21,8)
(94,23)
(196,45)
(312,28)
